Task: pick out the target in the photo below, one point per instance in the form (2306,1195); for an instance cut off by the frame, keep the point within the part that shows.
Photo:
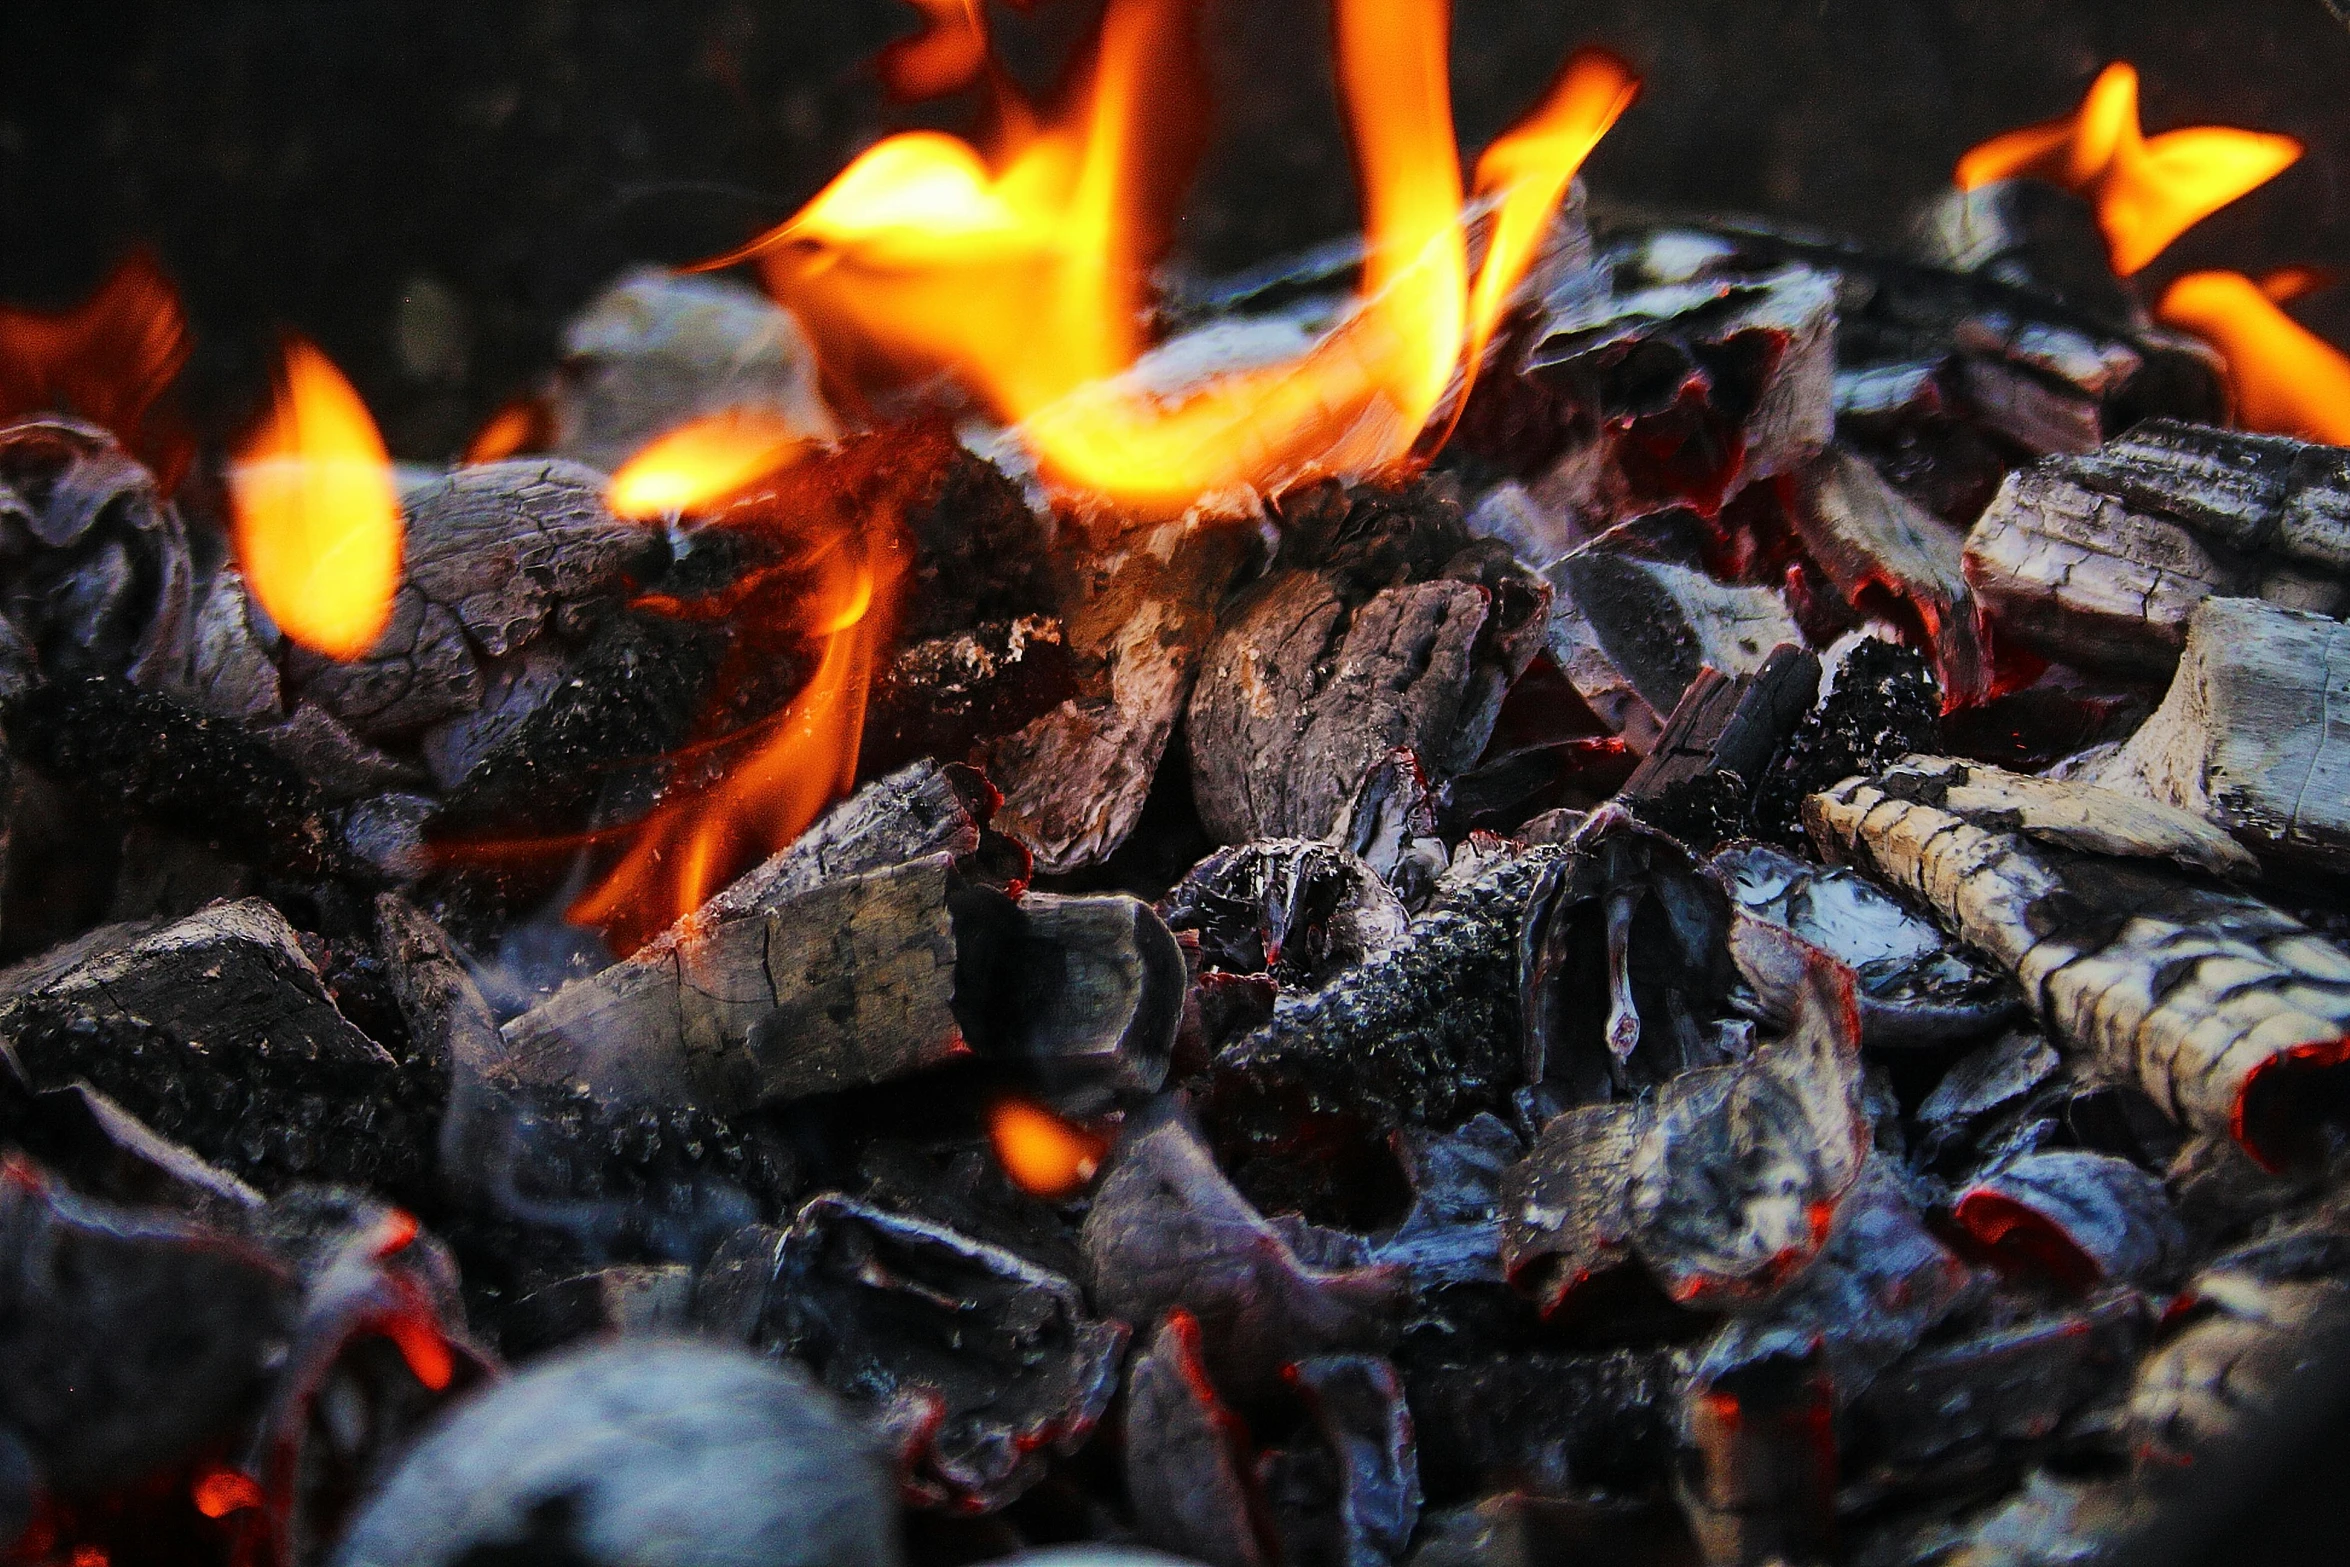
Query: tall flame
(318,527)
(109,359)
(2147,191)
(1023,274)
(2286,379)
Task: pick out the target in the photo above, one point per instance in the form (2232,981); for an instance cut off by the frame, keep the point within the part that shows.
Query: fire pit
(1570,879)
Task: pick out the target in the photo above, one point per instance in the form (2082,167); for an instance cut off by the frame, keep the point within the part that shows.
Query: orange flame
(318,527)
(792,767)
(108,359)
(948,53)
(1023,274)
(2286,379)
(2147,191)
(1044,1155)
(219,1492)
(517,427)
(701,461)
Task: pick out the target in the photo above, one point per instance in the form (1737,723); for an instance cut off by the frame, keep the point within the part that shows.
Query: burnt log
(1758,1476)
(1349,1491)
(2028,233)
(2244,737)
(1884,705)
(2228,1012)
(1189,1469)
(101,1150)
(1724,723)
(2083,1219)
(1298,910)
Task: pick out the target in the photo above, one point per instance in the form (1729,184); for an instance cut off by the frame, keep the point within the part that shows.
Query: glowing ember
(108,360)
(318,526)
(2286,379)
(1023,273)
(702,461)
(2147,191)
(1044,1155)
(219,1492)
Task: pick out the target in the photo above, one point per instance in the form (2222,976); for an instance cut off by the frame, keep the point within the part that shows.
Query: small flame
(220,1492)
(1023,273)
(2147,191)
(520,426)
(949,52)
(1045,1155)
(2286,379)
(108,359)
(702,461)
(318,527)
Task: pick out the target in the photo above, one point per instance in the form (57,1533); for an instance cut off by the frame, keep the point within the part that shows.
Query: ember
(1563,885)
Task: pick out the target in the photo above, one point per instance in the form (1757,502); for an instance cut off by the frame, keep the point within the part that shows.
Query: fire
(2286,379)
(517,427)
(318,527)
(785,771)
(702,461)
(950,50)
(108,359)
(219,1492)
(1022,273)
(1044,1155)
(2147,191)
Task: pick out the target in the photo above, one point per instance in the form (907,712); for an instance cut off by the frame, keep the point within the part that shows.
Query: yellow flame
(318,528)
(1045,1155)
(702,461)
(2286,379)
(2147,191)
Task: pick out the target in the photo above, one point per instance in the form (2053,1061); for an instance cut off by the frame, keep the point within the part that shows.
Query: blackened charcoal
(962,1185)
(1545,1421)
(1726,723)
(1522,1529)
(143,755)
(2083,1219)
(1348,1492)
(1428,1034)
(99,580)
(1567,1219)
(1452,1234)
(1167,1229)
(685,1452)
(98,1149)
(950,696)
(1297,909)
(1189,1470)
(1917,987)
(1979,1085)
(1884,706)
(131,1337)
(2233,1356)
(980,1363)
(626,1300)
(1757,1480)
(218,1032)
(2028,233)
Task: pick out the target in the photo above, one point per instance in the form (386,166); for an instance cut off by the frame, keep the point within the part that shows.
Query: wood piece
(1189,1468)
(2081,1218)
(1144,606)
(657,348)
(2244,1346)
(2028,233)
(1296,909)
(2245,738)
(1364,1446)
(1631,635)
(2227,1011)
(1729,723)
(1872,540)
(497,556)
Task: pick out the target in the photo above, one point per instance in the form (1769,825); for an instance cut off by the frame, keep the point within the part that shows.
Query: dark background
(429,187)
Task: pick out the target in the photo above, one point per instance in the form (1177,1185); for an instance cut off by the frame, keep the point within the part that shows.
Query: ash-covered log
(2082,1219)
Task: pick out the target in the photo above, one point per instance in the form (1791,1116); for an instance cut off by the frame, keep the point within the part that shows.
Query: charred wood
(1883,706)
(1189,1469)
(1299,910)
(2082,1219)
(1348,1491)
(1727,723)
(1545,1422)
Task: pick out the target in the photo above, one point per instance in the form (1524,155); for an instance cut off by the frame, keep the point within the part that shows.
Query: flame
(791,766)
(701,461)
(2147,191)
(318,527)
(1045,1155)
(517,427)
(1022,273)
(949,52)
(219,1492)
(108,359)
(2286,379)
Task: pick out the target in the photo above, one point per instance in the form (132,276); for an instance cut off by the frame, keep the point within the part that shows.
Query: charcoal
(1391,825)
(948,696)
(1633,634)
(1881,1284)
(1142,612)
(1167,1230)
(1883,706)
(101,1150)
(1428,1034)
(1725,723)
(2032,411)
(218,1031)
(1293,908)
(1567,1220)
(2227,1011)
(1452,1233)
(1874,543)
(2086,818)
(980,1364)
(2243,738)
(1758,1477)
(1979,1085)
(1518,1529)
(233,661)
(688,1453)
(2234,1349)
(2101,559)
(656,349)
(962,1184)
(1546,1422)
(626,1300)
(1189,1469)
(1626,914)
(1349,1494)
(339,765)
(99,580)
(2028,233)
(142,755)
(2081,1218)
(1916,987)
(133,1336)
(498,555)
(1329,665)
